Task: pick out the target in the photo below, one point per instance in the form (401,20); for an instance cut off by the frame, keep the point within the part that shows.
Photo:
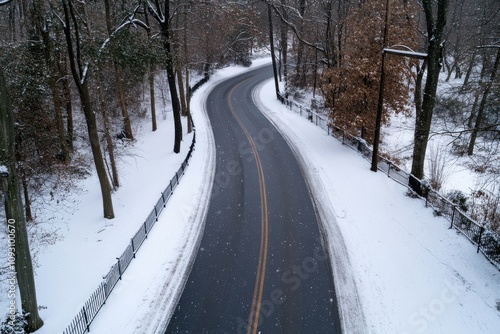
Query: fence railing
(487,242)
(81,322)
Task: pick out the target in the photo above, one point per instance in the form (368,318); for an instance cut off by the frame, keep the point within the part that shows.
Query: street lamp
(380,105)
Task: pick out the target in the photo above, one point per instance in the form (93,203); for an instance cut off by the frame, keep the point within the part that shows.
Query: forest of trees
(332,50)
(76,71)
(75,75)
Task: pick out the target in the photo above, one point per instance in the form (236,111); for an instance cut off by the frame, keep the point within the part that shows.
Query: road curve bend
(261,266)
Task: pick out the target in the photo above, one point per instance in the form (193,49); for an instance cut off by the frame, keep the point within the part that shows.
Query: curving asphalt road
(261,267)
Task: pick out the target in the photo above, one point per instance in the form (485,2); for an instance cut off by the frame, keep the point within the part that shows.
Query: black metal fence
(486,241)
(81,322)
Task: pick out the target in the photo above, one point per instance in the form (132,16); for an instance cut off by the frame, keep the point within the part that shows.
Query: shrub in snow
(14,325)
(491,245)
(450,108)
(459,199)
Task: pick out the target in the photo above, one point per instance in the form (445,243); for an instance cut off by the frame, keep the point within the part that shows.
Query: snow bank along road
(261,266)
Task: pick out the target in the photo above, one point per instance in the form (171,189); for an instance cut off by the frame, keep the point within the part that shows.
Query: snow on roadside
(71,269)
(413,274)
(143,300)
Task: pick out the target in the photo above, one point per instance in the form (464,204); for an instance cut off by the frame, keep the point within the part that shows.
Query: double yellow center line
(253,318)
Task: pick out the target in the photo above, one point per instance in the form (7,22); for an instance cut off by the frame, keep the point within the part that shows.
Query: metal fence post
(133,247)
(453,216)
(119,269)
(481,230)
(86,319)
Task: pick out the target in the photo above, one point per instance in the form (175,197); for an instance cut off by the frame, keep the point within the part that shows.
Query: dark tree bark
(51,57)
(162,16)
(300,69)
(151,79)
(273,56)
(151,75)
(480,112)
(127,126)
(27,201)
(186,60)
(81,82)
(435,31)
(284,53)
(63,70)
(107,135)
(15,214)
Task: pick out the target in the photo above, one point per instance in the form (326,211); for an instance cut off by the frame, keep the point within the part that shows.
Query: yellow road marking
(253,318)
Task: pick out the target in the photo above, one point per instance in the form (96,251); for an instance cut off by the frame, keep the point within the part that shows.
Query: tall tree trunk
(127,126)
(81,83)
(59,121)
(151,78)
(482,105)
(188,102)
(435,30)
(182,96)
(51,61)
(186,60)
(469,70)
(300,67)
(109,141)
(164,23)
(68,103)
(284,54)
(14,211)
(90,117)
(418,87)
(477,92)
(273,56)
(27,200)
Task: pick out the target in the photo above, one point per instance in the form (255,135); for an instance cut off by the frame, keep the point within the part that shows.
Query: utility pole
(378,121)
(380,105)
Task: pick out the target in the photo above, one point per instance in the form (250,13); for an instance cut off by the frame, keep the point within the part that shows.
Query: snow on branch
(411,54)
(4,172)
(128,20)
(294,28)
(4,2)
(156,12)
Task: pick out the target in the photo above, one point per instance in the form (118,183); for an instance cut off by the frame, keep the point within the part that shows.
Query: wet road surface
(261,267)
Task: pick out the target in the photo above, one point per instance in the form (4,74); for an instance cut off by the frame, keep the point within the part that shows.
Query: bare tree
(160,11)
(127,126)
(482,105)
(435,23)
(79,71)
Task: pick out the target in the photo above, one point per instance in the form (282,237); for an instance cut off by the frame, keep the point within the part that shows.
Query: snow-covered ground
(413,274)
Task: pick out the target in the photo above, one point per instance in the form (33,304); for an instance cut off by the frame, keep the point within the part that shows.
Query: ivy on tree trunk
(15,213)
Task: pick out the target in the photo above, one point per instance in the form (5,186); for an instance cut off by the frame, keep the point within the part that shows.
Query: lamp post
(380,104)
